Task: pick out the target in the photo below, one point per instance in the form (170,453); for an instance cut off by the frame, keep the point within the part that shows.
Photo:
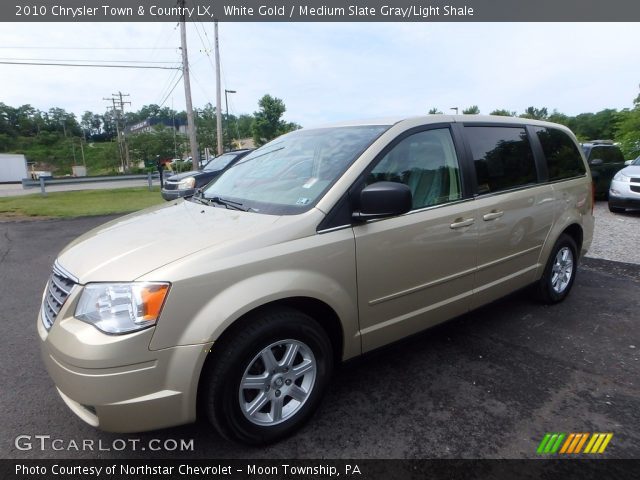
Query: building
(13,167)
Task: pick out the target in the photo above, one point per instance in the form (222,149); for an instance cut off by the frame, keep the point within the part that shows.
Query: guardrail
(42,182)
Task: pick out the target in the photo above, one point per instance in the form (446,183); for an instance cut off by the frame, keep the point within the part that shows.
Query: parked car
(625,188)
(319,246)
(185,184)
(604,159)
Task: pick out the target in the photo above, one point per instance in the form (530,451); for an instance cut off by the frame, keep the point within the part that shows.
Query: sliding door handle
(492,216)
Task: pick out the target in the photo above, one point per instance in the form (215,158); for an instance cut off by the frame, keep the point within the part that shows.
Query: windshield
(220,162)
(636,161)
(291,173)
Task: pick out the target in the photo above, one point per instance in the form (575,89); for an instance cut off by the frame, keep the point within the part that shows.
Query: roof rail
(600,142)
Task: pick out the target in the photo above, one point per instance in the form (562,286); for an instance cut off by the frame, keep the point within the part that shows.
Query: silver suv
(321,245)
(624,191)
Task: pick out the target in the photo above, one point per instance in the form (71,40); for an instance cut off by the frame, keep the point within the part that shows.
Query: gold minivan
(320,246)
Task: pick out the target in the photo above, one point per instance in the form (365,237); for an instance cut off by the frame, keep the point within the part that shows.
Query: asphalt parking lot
(489,384)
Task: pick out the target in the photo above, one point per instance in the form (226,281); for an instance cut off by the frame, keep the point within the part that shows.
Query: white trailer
(13,167)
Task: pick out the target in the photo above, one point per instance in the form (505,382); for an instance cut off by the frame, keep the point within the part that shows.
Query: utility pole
(191,127)
(226,103)
(118,111)
(117,120)
(218,92)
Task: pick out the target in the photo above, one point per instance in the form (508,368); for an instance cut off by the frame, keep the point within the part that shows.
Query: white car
(624,191)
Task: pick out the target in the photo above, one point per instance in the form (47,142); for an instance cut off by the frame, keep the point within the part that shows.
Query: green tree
(535,113)
(472,110)
(628,130)
(244,126)
(501,112)
(435,111)
(159,142)
(268,123)
(561,118)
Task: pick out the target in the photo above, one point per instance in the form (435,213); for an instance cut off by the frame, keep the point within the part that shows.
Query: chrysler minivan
(322,245)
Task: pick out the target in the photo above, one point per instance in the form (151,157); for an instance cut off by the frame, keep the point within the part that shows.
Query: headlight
(621,177)
(186,183)
(121,307)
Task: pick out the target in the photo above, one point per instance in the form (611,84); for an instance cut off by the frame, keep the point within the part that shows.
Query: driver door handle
(462,222)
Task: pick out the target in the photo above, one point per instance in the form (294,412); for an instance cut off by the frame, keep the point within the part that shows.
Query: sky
(326,72)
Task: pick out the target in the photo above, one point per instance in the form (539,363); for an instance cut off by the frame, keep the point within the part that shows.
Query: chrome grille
(58,290)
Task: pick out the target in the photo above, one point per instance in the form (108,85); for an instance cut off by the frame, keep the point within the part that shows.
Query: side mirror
(597,161)
(628,162)
(383,199)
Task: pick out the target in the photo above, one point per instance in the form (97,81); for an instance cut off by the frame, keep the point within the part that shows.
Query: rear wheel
(560,271)
(265,381)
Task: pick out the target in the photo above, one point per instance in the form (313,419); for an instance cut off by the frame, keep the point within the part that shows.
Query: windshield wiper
(227,203)
(197,197)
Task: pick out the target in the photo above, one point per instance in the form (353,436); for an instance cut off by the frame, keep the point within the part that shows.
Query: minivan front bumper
(115,383)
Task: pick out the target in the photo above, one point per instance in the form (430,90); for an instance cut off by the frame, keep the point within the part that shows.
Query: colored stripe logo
(574,443)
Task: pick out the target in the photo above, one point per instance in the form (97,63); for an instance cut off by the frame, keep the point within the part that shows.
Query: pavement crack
(5,234)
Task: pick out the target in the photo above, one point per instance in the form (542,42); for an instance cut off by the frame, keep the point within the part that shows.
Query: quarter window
(562,154)
(502,157)
(427,163)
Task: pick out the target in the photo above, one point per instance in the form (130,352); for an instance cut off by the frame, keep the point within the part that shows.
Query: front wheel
(560,271)
(613,209)
(267,379)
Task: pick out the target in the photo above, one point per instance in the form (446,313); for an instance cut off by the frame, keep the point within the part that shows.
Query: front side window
(563,157)
(427,163)
(290,174)
(502,157)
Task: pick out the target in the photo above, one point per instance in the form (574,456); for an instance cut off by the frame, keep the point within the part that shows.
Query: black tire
(275,330)
(613,209)
(553,287)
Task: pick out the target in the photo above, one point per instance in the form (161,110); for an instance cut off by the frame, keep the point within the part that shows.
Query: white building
(13,167)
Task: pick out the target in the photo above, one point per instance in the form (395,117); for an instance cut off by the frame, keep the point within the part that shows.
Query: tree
(435,111)
(557,117)
(472,110)
(267,122)
(501,112)
(159,142)
(628,129)
(535,113)
(91,124)
(244,125)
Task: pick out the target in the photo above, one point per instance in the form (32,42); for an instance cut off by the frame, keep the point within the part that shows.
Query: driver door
(417,269)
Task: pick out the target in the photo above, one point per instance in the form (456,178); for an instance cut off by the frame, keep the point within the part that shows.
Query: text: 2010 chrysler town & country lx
(322,245)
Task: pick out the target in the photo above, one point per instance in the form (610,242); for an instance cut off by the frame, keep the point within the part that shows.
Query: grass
(80,203)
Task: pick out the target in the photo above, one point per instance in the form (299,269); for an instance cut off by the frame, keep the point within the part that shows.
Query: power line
(171,91)
(87,48)
(168,84)
(88,65)
(83,60)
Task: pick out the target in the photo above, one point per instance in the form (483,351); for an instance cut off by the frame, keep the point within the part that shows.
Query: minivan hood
(130,246)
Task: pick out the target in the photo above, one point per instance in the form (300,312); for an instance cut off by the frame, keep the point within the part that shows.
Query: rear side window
(502,157)
(562,154)
(608,154)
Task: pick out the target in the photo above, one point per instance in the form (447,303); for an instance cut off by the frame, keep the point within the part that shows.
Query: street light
(455,108)
(226,103)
